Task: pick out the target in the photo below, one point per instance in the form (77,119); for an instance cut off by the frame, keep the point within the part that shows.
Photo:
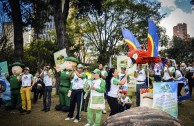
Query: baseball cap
(96,71)
(124,92)
(26,68)
(80,65)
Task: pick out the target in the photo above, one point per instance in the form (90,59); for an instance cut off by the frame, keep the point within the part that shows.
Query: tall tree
(103,32)
(60,16)
(18,33)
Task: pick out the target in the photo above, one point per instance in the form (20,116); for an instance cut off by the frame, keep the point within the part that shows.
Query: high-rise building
(180,30)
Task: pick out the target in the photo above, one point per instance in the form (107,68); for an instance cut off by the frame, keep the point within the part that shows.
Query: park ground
(57,118)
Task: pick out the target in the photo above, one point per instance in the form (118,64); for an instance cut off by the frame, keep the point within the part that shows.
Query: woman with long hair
(113,84)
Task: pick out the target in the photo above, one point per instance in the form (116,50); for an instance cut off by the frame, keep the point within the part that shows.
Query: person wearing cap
(47,79)
(124,101)
(65,83)
(76,97)
(27,80)
(103,75)
(121,75)
(96,89)
(113,84)
(15,85)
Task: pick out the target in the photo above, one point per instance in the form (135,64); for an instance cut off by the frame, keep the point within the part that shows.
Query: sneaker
(67,119)
(76,121)
(87,124)
(28,111)
(46,110)
(104,111)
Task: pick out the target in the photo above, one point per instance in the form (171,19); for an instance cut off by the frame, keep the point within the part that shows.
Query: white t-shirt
(120,78)
(27,80)
(141,77)
(114,88)
(96,84)
(177,73)
(77,83)
(157,72)
(126,99)
(166,74)
(47,80)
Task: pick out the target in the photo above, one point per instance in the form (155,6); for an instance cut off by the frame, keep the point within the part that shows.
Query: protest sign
(3,68)
(59,59)
(146,97)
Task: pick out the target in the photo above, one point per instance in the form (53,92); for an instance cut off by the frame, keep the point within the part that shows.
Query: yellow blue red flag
(130,39)
(153,39)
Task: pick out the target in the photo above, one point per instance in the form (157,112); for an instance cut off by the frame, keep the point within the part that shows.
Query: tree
(103,32)
(60,16)
(180,50)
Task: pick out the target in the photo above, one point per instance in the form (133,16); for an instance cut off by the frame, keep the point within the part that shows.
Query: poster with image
(165,97)
(124,61)
(59,59)
(3,68)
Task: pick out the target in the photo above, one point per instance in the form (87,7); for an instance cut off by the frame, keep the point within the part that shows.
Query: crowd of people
(89,91)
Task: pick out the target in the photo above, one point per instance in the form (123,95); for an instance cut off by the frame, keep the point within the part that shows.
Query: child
(124,101)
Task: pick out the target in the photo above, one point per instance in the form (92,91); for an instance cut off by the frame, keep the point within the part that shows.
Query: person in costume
(97,89)
(27,80)
(65,83)
(15,85)
(77,92)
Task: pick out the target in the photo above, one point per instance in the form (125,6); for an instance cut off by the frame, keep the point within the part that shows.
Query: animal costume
(65,84)
(15,84)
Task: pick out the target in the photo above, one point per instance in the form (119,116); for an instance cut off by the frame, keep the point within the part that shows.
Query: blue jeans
(138,87)
(47,93)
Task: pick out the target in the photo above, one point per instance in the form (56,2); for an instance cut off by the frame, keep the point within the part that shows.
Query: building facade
(180,30)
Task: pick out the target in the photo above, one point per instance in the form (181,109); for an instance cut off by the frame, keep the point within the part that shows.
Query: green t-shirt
(14,82)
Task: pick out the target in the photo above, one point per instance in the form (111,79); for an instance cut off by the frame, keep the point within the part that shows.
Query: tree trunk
(18,32)
(60,19)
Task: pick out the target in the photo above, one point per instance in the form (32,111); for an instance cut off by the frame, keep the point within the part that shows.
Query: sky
(178,11)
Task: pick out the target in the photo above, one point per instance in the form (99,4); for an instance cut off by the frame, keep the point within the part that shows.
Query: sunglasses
(80,68)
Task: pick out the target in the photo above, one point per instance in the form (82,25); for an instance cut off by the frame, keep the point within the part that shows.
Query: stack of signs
(146,97)
(165,97)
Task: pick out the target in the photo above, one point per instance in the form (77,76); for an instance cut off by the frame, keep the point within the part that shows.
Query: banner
(146,97)
(59,59)
(124,61)
(186,94)
(3,68)
(165,97)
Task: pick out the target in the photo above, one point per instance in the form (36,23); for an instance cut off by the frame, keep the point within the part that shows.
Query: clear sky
(178,11)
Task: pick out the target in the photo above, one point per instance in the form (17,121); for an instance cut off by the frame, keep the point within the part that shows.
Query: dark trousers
(157,78)
(125,107)
(85,102)
(37,93)
(113,103)
(191,88)
(180,86)
(47,94)
(76,97)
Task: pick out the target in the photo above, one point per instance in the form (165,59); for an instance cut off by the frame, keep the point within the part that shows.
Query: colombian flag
(130,40)
(153,39)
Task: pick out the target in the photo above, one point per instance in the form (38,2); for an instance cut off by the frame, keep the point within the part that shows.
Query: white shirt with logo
(126,99)
(47,80)
(26,80)
(141,77)
(77,83)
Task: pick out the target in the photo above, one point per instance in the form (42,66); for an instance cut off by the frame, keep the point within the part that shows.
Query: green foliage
(101,33)
(180,50)
(40,53)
